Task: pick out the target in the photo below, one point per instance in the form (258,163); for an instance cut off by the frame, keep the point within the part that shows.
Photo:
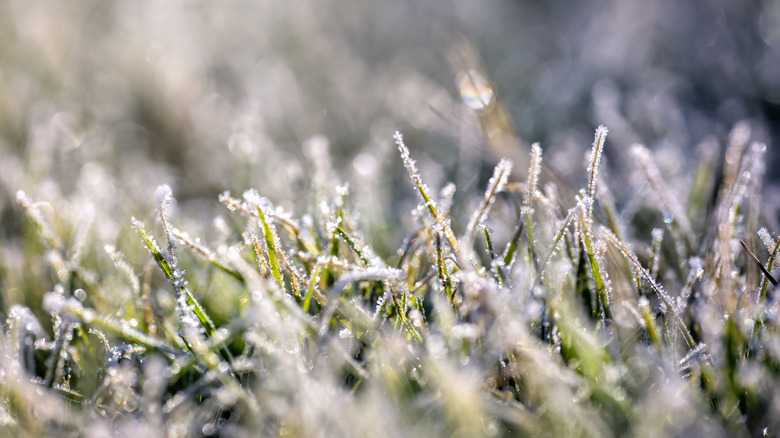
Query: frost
(42,214)
(423,189)
(229,202)
(445,198)
(54,302)
(373,274)
(495,186)
(137,224)
(657,239)
(770,244)
(465,331)
(342,190)
(163,194)
(668,202)
(409,163)
(23,199)
(332,225)
(253,200)
(533,174)
(21,321)
(595,159)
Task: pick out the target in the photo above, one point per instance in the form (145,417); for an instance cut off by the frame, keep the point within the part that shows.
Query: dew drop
(475,90)
(208,429)
(177,430)
(63,275)
(668,218)
(80,294)
(130,405)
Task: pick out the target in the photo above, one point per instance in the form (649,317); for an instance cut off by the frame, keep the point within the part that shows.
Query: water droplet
(208,429)
(475,90)
(177,430)
(63,275)
(668,218)
(130,404)
(80,294)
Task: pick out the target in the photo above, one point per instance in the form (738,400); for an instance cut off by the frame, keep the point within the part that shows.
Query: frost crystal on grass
(670,205)
(42,214)
(657,238)
(445,198)
(595,159)
(330,323)
(163,194)
(769,244)
(533,173)
(422,188)
(495,186)
(409,163)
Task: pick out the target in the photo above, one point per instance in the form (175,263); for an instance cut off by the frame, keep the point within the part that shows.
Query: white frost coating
(371,274)
(225,198)
(500,175)
(495,186)
(23,199)
(332,225)
(380,303)
(465,331)
(343,190)
(42,214)
(253,200)
(667,303)
(22,317)
(409,163)
(697,267)
(137,224)
(533,173)
(422,188)
(757,163)
(123,267)
(56,303)
(445,198)
(163,194)
(657,239)
(595,159)
(750,174)
(769,243)
(670,206)
(411,167)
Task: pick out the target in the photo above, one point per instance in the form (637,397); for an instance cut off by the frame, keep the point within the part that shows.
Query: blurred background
(100,102)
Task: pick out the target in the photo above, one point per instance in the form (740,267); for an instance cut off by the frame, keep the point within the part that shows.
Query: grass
(285,325)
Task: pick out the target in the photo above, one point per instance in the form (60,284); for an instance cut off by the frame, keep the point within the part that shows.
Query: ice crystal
(495,186)
(595,159)
(770,244)
(533,173)
(671,208)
